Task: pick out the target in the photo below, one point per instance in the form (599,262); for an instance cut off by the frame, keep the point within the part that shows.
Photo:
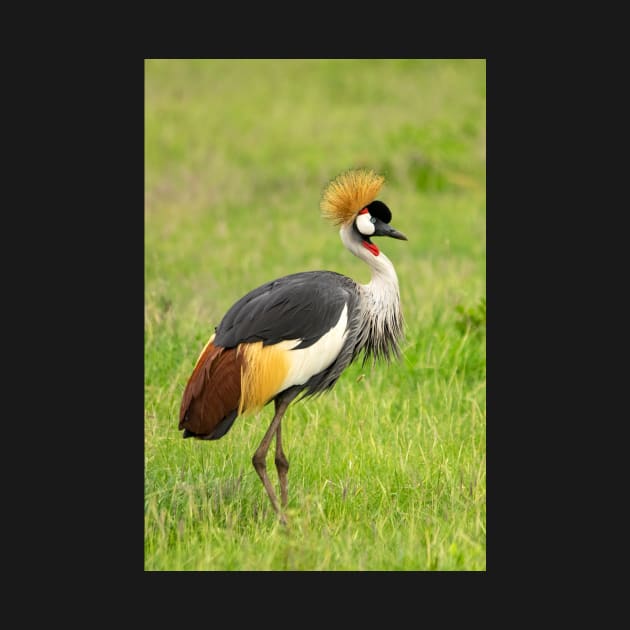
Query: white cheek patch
(364,225)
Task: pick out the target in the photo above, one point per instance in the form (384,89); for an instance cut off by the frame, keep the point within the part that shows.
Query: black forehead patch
(379,210)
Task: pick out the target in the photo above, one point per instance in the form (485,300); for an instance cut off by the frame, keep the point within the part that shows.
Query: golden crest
(349,193)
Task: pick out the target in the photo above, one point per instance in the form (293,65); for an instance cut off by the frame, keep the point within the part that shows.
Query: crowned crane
(297,334)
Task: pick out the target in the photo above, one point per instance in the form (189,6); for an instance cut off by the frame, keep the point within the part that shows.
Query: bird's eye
(373,219)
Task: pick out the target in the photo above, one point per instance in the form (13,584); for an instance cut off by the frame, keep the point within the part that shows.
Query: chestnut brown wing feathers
(213,390)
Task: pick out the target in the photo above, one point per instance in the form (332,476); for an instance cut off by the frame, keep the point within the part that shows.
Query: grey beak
(396,234)
(385,229)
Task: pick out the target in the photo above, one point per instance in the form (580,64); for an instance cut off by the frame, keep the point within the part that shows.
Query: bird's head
(349,201)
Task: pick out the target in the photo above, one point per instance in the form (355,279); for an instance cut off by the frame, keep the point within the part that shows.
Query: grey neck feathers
(380,326)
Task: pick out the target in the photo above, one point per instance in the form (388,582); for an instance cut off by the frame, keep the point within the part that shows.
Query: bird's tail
(212,395)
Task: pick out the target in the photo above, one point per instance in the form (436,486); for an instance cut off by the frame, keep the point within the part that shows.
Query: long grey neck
(381,319)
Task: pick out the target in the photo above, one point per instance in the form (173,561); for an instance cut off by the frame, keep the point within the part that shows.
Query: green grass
(388,471)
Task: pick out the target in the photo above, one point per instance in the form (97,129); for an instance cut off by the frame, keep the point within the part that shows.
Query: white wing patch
(306,362)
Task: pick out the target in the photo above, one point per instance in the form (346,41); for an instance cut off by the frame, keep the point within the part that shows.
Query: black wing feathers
(300,306)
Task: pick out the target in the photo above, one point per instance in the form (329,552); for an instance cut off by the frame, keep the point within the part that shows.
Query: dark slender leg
(259,459)
(282,465)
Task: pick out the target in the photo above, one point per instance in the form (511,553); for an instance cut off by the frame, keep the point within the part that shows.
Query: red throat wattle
(371,247)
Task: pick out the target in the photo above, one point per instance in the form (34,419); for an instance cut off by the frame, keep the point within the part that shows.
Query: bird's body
(295,335)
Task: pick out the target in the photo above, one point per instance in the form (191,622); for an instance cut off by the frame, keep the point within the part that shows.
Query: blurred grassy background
(237,153)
